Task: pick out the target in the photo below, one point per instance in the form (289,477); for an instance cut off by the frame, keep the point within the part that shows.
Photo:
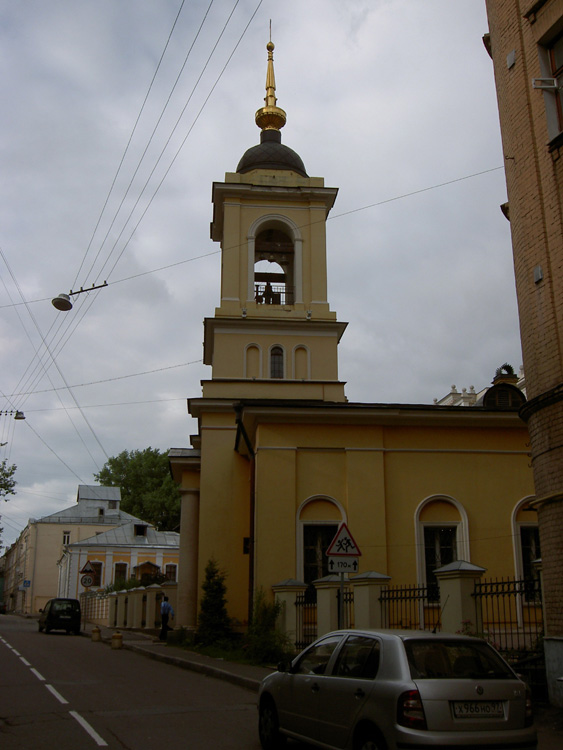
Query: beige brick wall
(534,178)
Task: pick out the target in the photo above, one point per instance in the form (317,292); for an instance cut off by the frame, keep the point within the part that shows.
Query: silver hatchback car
(385,689)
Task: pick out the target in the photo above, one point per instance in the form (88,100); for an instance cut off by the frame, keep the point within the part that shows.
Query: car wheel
(40,629)
(370,740)
(269,727)
(76,631)
(47,630)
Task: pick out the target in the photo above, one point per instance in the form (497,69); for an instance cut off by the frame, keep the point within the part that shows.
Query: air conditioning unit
(546,84)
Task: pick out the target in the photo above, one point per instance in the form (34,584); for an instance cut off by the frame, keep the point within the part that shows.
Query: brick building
(525,41)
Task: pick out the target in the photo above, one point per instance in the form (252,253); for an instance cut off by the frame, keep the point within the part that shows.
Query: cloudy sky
(117,117)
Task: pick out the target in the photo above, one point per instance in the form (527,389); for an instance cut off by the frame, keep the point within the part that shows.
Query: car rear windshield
(450,659)
(68,607)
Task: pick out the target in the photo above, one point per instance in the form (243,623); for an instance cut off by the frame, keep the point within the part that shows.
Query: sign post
(342,553)
(87,580)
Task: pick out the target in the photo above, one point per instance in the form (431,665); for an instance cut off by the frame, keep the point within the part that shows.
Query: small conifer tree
(214,623)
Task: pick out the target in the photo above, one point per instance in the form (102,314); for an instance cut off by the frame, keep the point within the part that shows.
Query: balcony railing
(273,294)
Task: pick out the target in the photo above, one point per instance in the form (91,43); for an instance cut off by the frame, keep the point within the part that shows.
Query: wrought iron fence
(347,619)
(410,607)
(306,605)
(509,612)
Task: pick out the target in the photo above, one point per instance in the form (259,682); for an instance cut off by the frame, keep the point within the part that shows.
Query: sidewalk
(244,675)
(549,720)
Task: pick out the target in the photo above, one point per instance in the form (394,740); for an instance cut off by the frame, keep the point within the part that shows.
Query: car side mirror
(284,666)
(41,610)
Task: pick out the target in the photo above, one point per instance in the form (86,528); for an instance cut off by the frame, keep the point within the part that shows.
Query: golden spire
(270,117)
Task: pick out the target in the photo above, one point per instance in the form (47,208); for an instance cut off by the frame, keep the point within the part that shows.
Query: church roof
(271,153)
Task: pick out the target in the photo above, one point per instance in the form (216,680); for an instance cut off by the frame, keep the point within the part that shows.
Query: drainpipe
(241,432)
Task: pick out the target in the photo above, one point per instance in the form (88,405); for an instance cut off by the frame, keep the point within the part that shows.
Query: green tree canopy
(147,488)
(7,483)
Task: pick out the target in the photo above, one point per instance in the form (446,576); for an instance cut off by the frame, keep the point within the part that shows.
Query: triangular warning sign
(88,568)
(343,544)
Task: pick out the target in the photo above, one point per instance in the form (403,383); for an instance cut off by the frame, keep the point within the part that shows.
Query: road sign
(342,564)
(87,580)
(88,568)
(343,544)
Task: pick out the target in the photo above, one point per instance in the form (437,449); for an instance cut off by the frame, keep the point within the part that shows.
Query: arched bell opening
(274,268)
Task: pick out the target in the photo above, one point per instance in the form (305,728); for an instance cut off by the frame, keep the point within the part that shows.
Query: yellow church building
(281,457)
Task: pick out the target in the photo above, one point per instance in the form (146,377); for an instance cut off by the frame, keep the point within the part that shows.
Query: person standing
(166,612)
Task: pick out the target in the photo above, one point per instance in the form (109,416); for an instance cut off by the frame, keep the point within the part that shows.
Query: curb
(206,669)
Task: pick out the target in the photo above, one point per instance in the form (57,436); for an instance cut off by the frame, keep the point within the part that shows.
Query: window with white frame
(120,572)
(440,548)
(551,64)
(66,537)
(97,574)
(530,551)
(276,362)
(316,541)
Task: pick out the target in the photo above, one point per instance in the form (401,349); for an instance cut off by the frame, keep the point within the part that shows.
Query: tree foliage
(147,489)
(7,482)
(214,624)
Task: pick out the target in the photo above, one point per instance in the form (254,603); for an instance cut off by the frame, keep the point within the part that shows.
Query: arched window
(526,544)
(274,255)
(318,520)
(442,536)
(276,362)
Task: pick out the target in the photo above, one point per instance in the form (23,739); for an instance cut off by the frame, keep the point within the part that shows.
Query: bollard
(96,633)
(117,640)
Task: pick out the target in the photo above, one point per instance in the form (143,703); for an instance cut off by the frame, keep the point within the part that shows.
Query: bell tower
(273,334)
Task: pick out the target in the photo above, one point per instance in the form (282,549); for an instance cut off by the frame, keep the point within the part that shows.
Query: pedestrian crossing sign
(343,544)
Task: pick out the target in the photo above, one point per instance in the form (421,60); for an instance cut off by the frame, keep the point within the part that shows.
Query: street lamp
(63,303)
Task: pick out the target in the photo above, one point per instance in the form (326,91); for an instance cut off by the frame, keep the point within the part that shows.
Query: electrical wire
(130,141)
(302,226)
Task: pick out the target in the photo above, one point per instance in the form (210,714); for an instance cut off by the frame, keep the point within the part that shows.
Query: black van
(60,614)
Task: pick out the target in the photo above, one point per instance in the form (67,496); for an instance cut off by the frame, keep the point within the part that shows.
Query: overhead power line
(302,226)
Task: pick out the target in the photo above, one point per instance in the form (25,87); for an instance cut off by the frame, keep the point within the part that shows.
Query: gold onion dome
(271,152)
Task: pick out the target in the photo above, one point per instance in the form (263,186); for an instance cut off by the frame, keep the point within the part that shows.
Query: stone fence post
(457,605)
(327,603)
(112,609)
(367,590)
(152,616)
(121,618)
(285,592)
(135,615)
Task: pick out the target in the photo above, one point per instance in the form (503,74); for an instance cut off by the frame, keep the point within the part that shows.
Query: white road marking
(84,724)
(38,674)
(25,661)
(57,695)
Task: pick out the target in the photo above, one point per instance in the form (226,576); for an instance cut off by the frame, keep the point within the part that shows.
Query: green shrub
(265,643)
(214,625)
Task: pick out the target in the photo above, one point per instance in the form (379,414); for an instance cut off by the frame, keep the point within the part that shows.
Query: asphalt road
(66,693)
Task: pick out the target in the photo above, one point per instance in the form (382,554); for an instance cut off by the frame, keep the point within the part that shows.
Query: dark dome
(271,154)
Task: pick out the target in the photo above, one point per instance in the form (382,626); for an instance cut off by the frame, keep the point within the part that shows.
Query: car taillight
(529,715)
(410,712)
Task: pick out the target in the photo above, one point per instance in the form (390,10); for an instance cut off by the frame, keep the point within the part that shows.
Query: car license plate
(478,710)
